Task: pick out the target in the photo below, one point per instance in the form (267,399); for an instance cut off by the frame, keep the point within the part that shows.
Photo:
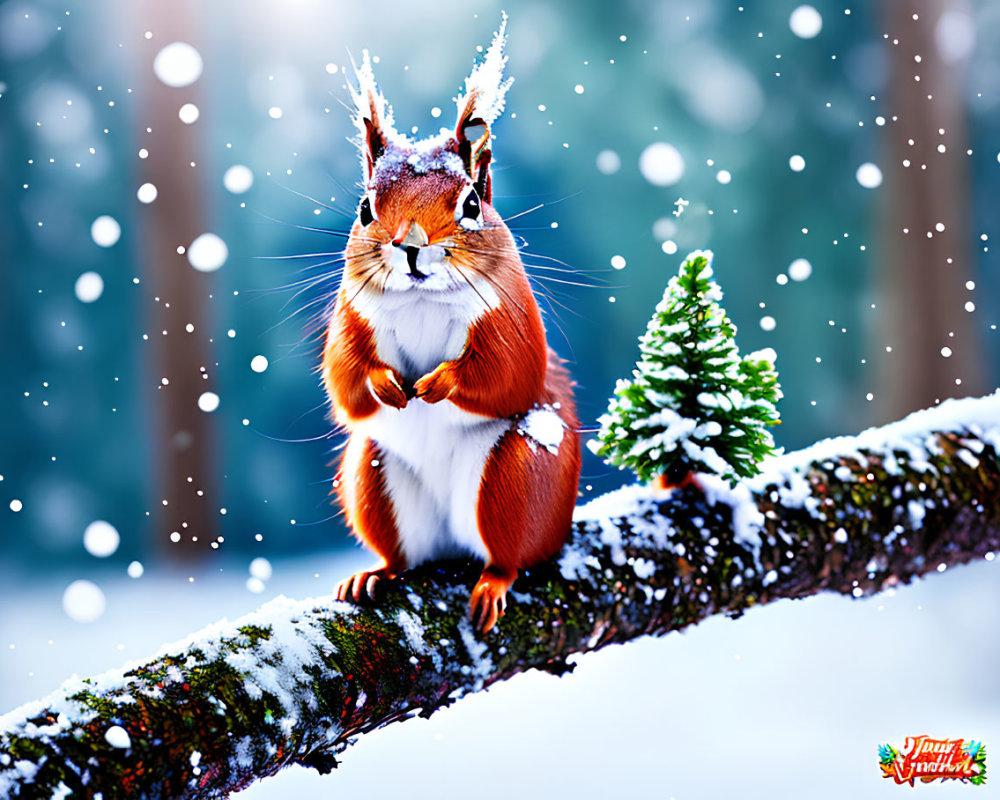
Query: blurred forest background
(840,160)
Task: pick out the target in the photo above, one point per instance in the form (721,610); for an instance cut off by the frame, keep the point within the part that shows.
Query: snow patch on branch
(911,442)
(748,521)
(628,501)
(118,737)
(288,639)
(413,630)
(912,437)
(602,517)
(280,655)
(575,563)
(482,664)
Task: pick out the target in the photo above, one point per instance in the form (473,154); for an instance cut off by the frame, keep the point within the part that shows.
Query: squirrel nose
(411,235)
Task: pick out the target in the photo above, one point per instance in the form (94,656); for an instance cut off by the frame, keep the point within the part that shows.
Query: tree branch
(297,682)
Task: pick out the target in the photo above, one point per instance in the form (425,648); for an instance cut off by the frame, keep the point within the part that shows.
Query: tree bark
(297,682)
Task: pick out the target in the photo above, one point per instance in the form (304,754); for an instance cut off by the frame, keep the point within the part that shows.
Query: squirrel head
(427,203)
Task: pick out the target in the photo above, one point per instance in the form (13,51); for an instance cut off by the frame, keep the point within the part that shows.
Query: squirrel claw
(361,586)
(489,599)
(437,385)
(387,386)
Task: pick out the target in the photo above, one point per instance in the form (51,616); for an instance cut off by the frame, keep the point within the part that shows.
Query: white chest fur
(416,330)
(433,455)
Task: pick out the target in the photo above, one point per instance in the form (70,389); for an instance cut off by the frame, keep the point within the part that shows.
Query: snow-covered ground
(791,701)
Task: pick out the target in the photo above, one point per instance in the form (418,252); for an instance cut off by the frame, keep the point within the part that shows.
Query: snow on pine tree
(693,405)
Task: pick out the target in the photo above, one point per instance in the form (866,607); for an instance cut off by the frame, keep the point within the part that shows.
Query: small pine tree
(693,405)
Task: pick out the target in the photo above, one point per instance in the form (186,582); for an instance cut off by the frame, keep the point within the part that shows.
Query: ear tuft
(372,115)
(485,88)
(479,107)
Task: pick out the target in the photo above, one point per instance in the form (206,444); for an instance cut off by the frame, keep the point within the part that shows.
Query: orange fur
(362,492)
(528,494)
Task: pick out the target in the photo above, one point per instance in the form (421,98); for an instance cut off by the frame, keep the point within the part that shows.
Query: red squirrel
(463,430)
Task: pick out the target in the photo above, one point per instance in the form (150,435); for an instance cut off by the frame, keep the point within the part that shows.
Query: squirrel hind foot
(488,601)
(361,586)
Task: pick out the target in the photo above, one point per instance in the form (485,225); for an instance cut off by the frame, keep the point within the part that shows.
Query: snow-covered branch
(298,681)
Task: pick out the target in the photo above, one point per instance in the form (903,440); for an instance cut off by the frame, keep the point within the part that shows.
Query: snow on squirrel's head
(424,196)
(463,152)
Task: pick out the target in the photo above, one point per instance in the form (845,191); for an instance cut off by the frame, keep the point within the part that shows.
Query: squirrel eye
(469,210)
(365,213)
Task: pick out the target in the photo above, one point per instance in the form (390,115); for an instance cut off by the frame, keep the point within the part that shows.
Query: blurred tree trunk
(922,277)
(176,293)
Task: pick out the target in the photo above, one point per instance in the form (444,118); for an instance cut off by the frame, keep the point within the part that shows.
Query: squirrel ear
(372,116)
(478,108)
(473,137)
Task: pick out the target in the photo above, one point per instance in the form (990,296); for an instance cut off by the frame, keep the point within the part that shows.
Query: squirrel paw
(360,587)
(387,386)
(437,385)
(489,598)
